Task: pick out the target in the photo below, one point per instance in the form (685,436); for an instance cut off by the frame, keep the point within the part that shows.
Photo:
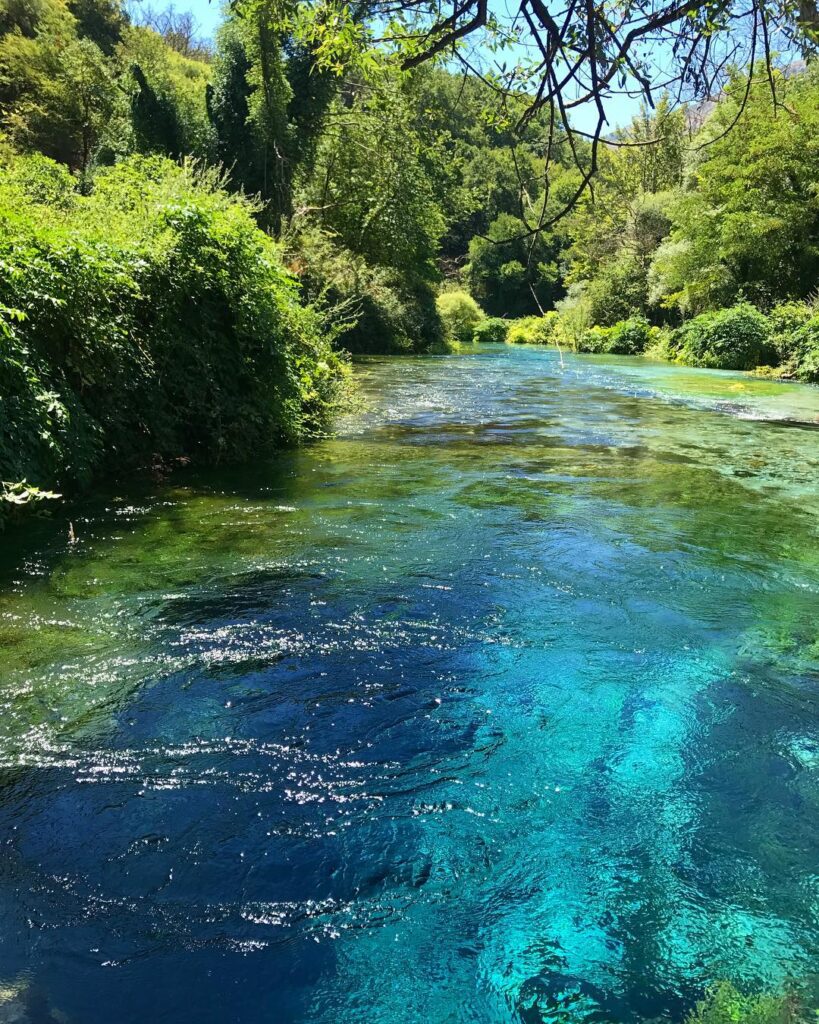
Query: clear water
(499,707)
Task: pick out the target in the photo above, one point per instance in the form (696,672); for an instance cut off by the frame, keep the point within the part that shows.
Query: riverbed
(499,706)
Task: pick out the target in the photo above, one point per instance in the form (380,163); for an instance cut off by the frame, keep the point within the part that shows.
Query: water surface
(499,707)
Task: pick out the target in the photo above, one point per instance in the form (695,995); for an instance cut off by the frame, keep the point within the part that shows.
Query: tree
(248,107)
(369,185)
(101,21)
(613,214)
(67,103)
(178,29)
(228,108)
(168,96)
(617,226)
(508,274)
(582,55)
(748,225)
(267,106)
(154,119)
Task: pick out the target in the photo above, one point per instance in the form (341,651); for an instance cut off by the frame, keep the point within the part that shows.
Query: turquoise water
(501,706)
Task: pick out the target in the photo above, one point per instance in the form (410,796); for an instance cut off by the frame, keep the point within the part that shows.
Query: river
(500,706)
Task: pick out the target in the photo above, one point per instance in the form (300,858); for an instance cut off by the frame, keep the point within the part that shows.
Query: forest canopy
(558,58)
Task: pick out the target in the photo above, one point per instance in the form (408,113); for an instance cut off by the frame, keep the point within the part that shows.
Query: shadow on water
(497,707)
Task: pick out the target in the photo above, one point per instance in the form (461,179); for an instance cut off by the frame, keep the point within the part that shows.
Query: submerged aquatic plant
(725,1004)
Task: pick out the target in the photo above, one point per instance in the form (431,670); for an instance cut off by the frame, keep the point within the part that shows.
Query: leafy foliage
(150,317)
(368,186)
(16,498)
(795,339)
(145,307)
(615,231)
(510,273)
(63,98)
(370,308)
(625,338)
(461,316)
(747,227)
(167,94)
(629,337)
(491,329)
(730,339)
(720,225)
(533,330)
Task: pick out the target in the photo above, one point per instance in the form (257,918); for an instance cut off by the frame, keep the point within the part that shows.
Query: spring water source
(500,706)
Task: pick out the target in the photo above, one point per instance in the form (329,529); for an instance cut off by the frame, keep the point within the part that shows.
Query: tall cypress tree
(154,117)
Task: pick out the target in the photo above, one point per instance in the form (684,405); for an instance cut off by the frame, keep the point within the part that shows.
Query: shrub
(575,316)
(150,317)
(506,264)
(795,338)
(660,344)
(737,338)
(492,329)
(629,337)
(724,1004)
(523,331)
(805,342)
(595,340)
(460,315)
(785,319)
(626,338)
(533,330)
(393,315)
(616,292)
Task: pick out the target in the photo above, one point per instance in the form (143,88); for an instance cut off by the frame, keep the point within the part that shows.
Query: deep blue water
(499,707)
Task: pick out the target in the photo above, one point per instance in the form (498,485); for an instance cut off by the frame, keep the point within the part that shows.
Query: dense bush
(785,319)
(574,316)
(460,315)
(167,93)
(150,317)
(491,329)
(511,273)
(394,315)
(660,344)
(594,340)
(795,339)
(737,338)
(747,224)
(533,330)
(617,292)
(626,338)
(804,354)
(629,337)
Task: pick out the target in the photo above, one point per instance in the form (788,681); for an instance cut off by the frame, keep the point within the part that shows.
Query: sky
(208,14)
